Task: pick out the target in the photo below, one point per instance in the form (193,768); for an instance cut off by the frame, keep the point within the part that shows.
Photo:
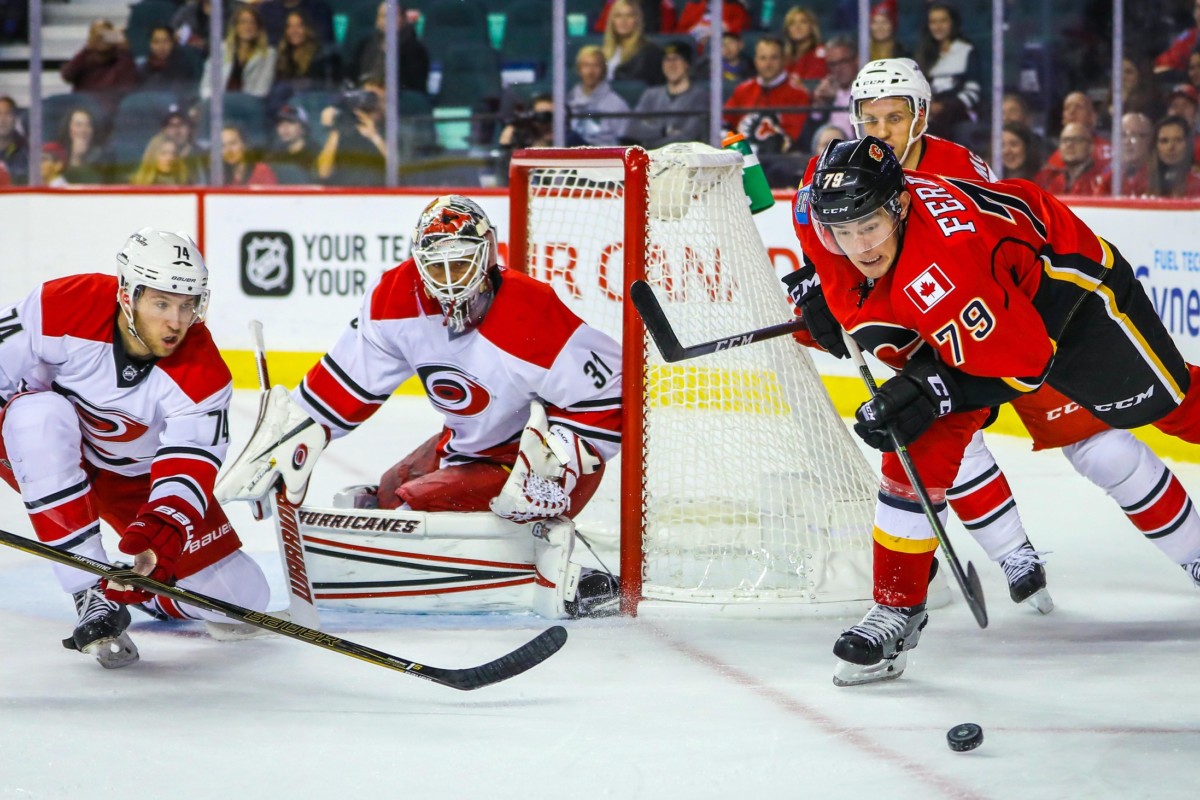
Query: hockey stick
(659,327)
(525,657)
(968,583)
(301,607)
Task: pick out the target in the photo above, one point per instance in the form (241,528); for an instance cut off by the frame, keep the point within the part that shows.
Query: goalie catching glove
(804,287)
(285,445)
(548,465)
(908,404)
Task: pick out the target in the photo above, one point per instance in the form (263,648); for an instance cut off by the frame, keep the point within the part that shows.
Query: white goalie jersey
(528,346)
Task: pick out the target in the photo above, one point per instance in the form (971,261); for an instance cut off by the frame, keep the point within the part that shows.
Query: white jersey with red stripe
(528,346)
(166,417)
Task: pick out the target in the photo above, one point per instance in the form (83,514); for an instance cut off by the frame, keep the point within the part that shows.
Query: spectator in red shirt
(769,131)
(831,97)
(696,20)
(804,50)
(103,67)
(1078,108)
(1137,142)
(1079,171)
(1171,172)
(1176,56)
(241,167)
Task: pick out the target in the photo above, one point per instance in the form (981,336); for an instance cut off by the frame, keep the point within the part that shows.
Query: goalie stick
(968,583)
(301,607)
(659,327)
(525,657)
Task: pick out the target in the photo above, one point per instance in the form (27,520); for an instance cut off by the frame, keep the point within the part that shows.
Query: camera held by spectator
(532,128)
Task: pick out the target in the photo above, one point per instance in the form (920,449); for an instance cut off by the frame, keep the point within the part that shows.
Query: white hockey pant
(236,579)
(1149,493)
(42,436)
(983,501)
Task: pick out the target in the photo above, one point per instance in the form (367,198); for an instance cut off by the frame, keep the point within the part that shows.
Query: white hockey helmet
(169,262)
(892,77)
(454,246)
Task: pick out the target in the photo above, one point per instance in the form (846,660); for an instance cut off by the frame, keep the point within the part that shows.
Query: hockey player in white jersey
(114,405)
(530,396)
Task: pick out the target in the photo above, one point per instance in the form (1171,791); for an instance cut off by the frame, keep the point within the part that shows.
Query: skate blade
(114,652)
(847,674)
(1041,600)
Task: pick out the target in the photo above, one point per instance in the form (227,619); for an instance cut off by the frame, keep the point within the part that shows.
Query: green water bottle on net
(754,180)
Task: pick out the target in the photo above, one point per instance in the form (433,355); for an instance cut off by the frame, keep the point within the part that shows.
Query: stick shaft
(667,342)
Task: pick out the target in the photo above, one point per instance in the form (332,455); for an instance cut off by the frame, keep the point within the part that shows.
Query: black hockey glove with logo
(908,404)
(804,287)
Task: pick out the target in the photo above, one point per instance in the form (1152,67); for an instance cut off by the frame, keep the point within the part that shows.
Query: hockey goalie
(531,402)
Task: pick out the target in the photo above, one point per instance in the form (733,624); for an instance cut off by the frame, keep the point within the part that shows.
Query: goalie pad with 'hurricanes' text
(549,462)
(285,444)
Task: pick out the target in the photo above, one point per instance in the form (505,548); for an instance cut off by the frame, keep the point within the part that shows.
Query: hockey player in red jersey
(976,293)
(529,393)
(890,100)
(114,406)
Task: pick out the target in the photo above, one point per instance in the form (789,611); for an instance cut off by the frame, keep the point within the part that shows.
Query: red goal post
(740,487)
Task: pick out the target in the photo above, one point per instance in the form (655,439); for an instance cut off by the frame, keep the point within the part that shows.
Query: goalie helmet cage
(741,489)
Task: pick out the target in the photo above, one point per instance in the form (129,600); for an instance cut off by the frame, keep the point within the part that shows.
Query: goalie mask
(855,195)
(169,262)
(455,250)
(892,77)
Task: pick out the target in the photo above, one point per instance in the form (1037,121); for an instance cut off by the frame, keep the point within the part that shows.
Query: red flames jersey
(529,345)
(170,420)
(943,157)
(987,275)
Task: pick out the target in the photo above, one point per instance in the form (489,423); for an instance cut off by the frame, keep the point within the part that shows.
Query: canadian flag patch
(929,288)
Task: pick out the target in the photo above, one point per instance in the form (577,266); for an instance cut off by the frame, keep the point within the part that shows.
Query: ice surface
(1098,699)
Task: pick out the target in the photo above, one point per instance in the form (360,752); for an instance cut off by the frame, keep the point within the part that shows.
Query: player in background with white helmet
(890,100)
(530,396)
(114,406)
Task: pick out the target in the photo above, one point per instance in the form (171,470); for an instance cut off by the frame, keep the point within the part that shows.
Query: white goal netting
(750,488)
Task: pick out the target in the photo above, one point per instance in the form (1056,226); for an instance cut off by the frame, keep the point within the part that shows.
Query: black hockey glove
(804,287)
(908,404)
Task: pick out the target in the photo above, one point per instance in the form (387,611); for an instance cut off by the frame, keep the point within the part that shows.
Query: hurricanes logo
(453,391)
(107,425)
(875,152)
(299,456)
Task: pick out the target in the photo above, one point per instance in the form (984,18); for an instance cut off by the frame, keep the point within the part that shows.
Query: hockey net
(741,485)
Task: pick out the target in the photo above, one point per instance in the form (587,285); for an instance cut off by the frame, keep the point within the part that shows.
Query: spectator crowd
(306,99)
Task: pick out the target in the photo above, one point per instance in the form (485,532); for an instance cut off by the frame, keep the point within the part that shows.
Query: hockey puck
(964,737)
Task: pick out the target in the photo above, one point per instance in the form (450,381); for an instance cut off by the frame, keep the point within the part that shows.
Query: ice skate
(1192,568)
(100,631)
(597,595)
(1027,578)
(876,649)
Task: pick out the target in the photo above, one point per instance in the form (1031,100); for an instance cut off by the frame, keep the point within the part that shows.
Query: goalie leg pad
(556,579)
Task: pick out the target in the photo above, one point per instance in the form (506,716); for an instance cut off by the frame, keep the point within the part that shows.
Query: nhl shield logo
(267,263)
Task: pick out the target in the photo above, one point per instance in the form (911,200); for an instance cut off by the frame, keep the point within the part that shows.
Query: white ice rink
(1099,699)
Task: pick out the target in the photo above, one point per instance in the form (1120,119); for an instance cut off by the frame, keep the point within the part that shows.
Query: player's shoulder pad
(528,320)
(83,306)
(197,367)
(398,294)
